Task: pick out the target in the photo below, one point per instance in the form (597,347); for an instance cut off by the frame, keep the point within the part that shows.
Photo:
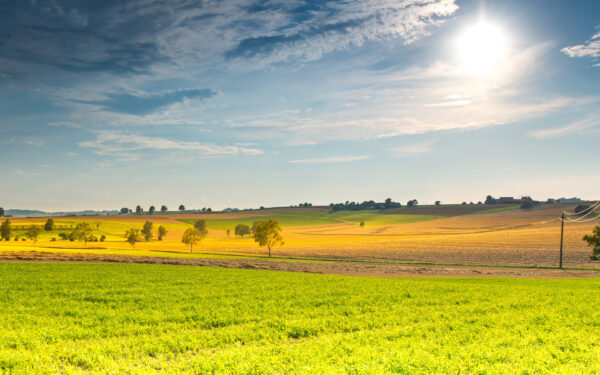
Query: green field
(316,217)
(72,318)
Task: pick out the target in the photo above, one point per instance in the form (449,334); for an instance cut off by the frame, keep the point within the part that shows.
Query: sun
(482,48)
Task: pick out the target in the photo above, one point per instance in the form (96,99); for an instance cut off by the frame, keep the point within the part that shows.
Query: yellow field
(512,237)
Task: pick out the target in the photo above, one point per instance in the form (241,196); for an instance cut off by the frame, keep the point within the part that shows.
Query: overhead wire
(590,208)
(581,217)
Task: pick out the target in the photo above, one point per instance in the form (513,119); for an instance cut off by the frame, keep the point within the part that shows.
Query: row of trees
(145,234)
(370,205)
(267,233)
(152,209)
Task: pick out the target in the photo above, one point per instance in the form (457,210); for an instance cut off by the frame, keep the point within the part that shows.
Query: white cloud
(574,127)
(33,141)
(116,143)
(332,159)
(25,173)
(591,48)
(413,149)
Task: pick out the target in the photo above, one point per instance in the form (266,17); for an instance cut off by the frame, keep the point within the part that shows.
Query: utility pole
(562,231)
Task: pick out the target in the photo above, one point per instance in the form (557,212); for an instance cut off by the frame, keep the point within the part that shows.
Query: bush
(102,238)
(593,241)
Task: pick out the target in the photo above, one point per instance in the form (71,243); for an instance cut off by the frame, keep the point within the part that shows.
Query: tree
(147,230)
(268,233)
(254,224)
(162,231)
(33,233)
(412,203)
(5,230)
(163,209)
(581,208)
(593,241)
(83,232)
(151,210)
(49,225)
(181,208)
(139,209)
(201,226)
(191,236)
(241,230)
(490,200)
(1,211)
(124,210)
(387,203)
(438,203)
(133,236)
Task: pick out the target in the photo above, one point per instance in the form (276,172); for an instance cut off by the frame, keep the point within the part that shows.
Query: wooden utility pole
(562,231)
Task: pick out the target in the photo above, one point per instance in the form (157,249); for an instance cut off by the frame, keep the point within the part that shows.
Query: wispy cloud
(21,172)
(122,144)
(339,26)
(575,127)
(591,48)
(332,159)
(413,149)
(33,141)
(147,102)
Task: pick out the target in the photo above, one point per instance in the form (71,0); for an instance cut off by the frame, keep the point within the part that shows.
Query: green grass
(98,318)
(493,210)
(317,217)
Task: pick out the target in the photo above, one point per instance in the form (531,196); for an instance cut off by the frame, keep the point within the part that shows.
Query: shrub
(593,241)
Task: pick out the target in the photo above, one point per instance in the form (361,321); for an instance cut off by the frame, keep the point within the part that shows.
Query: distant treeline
(369,205)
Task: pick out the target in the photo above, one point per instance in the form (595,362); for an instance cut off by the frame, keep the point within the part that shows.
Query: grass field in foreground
(70,318)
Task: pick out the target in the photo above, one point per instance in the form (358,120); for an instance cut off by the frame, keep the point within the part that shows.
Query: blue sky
(248,103)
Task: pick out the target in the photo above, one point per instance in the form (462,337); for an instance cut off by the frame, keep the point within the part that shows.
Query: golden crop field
(465,235)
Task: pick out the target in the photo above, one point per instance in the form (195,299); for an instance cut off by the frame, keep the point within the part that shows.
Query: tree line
(370,205)
(152,209)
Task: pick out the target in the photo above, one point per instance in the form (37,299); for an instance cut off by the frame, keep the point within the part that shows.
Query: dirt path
(337,268)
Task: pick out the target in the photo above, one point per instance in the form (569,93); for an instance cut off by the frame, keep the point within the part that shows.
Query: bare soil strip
(337,268)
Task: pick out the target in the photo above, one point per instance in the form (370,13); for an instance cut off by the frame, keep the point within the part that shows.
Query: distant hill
(38,213)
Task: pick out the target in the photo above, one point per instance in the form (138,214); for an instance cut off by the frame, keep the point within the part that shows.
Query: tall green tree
(5,230)
(268,233)
(49,225)
(83,232)
(181,208)
(33,233)
(1,211)
(192,236)
(132,236)
(151,210)
(163,209)
(593,241)
(162,231)
(147,230)
(201,226)
(139,209)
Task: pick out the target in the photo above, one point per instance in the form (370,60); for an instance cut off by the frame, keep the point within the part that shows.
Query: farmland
(74,318)
(446,234)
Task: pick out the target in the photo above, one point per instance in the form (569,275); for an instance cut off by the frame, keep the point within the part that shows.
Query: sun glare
(482,49)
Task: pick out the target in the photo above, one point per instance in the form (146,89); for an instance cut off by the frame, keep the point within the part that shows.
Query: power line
(592,208)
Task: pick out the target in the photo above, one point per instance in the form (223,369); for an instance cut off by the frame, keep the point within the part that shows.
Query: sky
(240,104)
